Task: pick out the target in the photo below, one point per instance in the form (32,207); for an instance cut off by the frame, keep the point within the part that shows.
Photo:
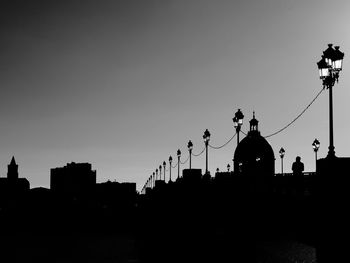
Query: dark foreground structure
(235,216)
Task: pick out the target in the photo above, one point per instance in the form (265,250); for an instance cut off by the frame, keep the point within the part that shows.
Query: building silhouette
(254,154)
(73,178)
(12,184)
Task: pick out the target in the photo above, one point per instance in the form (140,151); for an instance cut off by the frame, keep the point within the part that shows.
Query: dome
(254,155)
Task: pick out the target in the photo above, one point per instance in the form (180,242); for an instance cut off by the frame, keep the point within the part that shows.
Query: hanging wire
(175,165)
(188,157)
(219,147)
(244,133)
(196,155)
(297,117)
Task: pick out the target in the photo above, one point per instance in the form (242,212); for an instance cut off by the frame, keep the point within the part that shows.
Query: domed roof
(254,153)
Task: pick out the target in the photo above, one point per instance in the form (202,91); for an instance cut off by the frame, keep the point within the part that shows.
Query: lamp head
(190,145)
(282,152)
(178,153)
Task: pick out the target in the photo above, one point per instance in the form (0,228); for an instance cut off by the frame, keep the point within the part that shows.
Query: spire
(12,170)
(13,161)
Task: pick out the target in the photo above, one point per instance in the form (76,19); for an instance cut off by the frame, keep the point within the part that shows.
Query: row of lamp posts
(237,123)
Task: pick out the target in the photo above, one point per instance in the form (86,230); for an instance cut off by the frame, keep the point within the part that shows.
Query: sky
(124,84)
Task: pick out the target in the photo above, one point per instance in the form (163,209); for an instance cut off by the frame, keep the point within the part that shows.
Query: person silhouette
(298,167)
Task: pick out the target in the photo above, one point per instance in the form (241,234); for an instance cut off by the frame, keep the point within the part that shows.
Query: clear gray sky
(124,84)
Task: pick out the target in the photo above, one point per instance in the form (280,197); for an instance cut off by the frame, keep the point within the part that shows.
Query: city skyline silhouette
(123,86)
(174,131)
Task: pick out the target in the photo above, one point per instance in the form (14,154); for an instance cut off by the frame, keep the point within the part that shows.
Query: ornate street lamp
(164,164)
(170,161)
(190,147)
(238,122)
(206,138)
(282,152)
(178,163)
(315,146)
(329,67)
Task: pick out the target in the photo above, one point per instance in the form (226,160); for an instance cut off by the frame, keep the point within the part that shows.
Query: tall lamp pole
(237,123)
(315,146)
(190,147)
(206,138)
(153,180)
(178,163)
(170,161)
(329,67)
(164,164)
(282,152)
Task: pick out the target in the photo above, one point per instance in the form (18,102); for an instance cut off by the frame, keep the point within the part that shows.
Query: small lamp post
(153,180)
(178,163)
(156,174)
(329,67)
(164,164)
(170,161)
(190,147)
(228,167)
(206,138)
(282,152)
(315,146)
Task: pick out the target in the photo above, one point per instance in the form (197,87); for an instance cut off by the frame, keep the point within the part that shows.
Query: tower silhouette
(12,170)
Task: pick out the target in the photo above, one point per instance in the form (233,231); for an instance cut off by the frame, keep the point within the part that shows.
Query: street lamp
(170,161)
(178,163)
(190,147)
(315,146)
(156,174)
(228,167)
(206,138)
(329,67)
(153,180)
(160,172)
(282,152)
(237,122)
(164,164)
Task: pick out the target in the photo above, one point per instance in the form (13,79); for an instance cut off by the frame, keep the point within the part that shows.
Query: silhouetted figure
(298,167)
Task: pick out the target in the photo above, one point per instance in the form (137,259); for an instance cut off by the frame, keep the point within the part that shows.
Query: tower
(12,170)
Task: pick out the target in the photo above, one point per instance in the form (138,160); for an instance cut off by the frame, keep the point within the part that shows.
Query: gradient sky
(124,84)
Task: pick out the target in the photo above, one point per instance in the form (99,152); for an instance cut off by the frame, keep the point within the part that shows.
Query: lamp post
(160,172)
(170,161)
(190,147)
(178,163)
(164,164)
(329,67)
(282,152)
(156,174)
(228,167)
(153,180)
(237,122)
(206,138)
(315,146)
